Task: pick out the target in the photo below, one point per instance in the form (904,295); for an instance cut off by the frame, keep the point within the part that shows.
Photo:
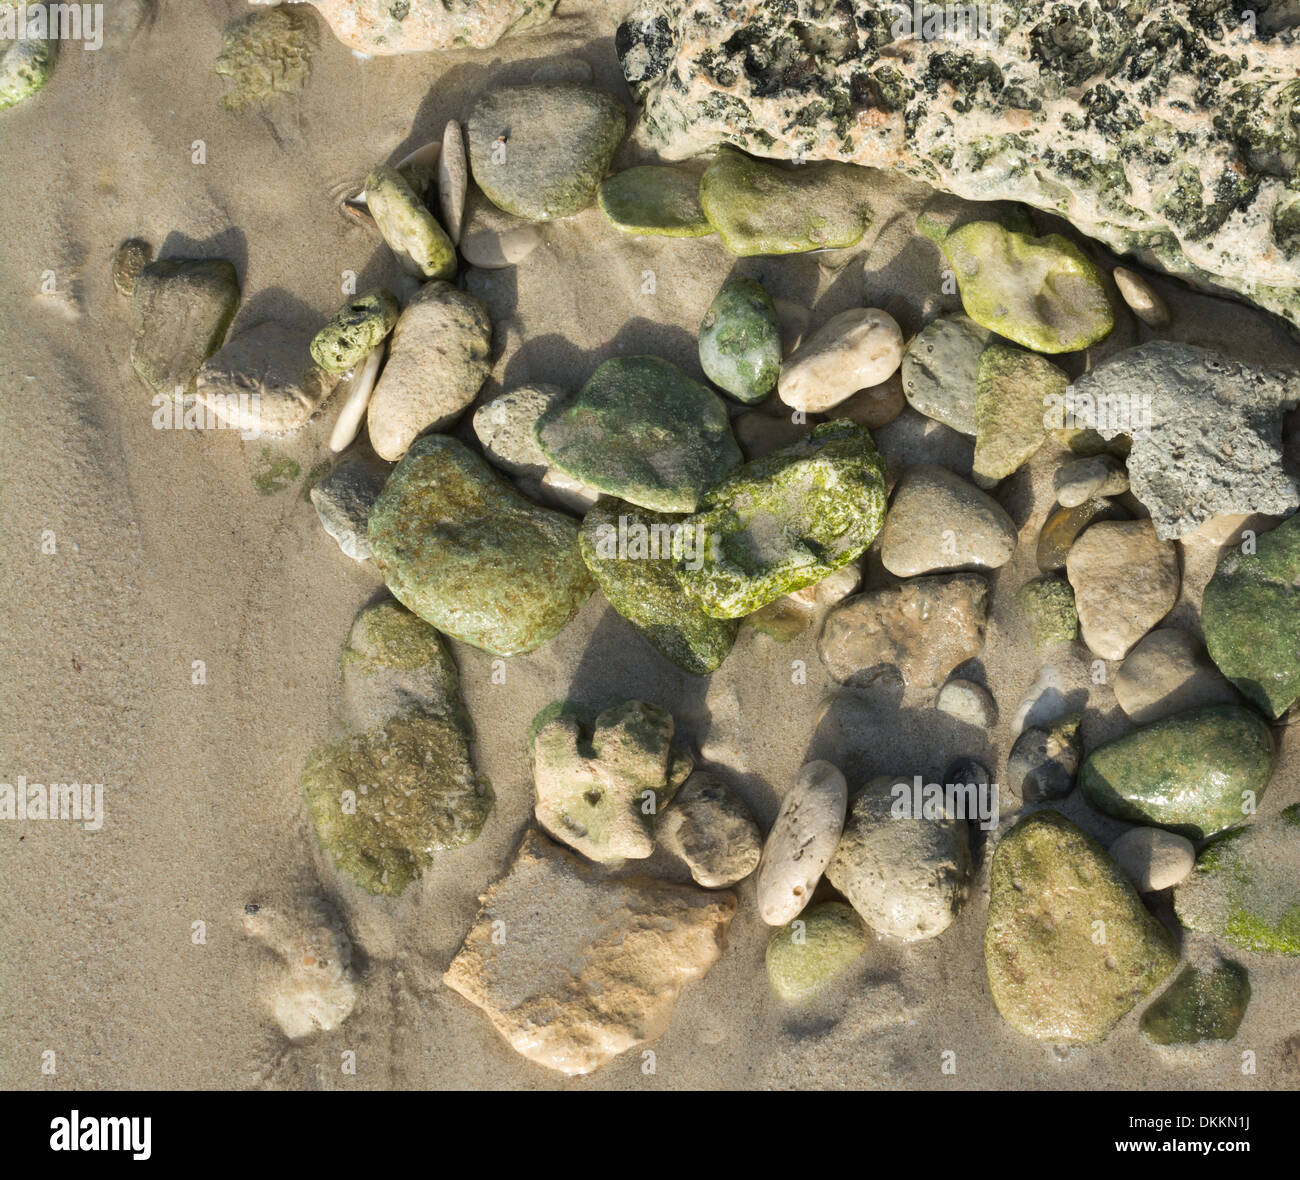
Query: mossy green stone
(385,800)
(1040,292)
(630,553)
(1199,1006)
(1052,892)
(655,199)
(740,341)
(787,520)
(541,151)
(25,67)
(1245,888)
(419,243)
(469,554)
(1013,392)
(1196,772)
(641,430)
(1047,604)
(355,330)
(808,954)
(181,309)
(762,208)
(1251,615)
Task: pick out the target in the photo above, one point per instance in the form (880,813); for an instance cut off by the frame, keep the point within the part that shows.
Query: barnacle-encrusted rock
(381,27)
(1166,130)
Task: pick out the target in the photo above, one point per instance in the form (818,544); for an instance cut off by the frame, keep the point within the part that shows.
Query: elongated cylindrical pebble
(801,842)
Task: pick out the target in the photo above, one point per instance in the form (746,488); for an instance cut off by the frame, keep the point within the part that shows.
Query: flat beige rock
(1166,672)
(574,967)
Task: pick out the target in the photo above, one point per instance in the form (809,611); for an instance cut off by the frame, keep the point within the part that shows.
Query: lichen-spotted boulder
(1069,947)
(469,554)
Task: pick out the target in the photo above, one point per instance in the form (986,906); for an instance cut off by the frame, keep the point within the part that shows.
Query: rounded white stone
(969,702)
(1152,858)
(853,350)
(801,842)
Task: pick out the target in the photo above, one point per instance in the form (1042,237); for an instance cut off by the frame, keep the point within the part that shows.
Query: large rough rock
(1069,946)
(589,966)
(1206,430)
(1163,129)
(380,27)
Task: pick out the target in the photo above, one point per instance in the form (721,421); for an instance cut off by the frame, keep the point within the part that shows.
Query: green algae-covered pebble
(630,552)
(1013,391)
(740,341)
(1245,888)
(762,208)
(541,151)
(419,243)
(655,199)
(787,520)
(1251,616)
(25,67)
(1199,1006)
(1196,772)
(642,430)
(386,799)
(358,327)
(1047,604)
(1040,292)
(1052,891)
(467,553)
(809,953)
(266,54)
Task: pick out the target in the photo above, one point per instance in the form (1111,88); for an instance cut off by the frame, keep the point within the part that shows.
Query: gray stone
(939,370)
(376,28)
(802,840)
(1043,762)
(711,829)
(1206,430)
(344,497)
(1166,672)
(1080,480)
(1152,858)
(968,702)
(505,427)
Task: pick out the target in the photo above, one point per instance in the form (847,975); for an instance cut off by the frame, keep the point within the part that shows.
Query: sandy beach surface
(165,552)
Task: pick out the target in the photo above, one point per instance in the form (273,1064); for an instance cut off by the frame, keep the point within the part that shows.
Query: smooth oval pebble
(967,701)
(1152,858)
(854,350)
(453,180)
(1080,480)
(801,842)
(1139,295)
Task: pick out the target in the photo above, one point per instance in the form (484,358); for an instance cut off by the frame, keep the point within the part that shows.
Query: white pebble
(801,843)
(853,350)
(453,180)
(1152,858)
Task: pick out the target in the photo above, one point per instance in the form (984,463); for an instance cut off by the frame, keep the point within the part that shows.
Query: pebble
(758,207)
(802,840)
(642,430)
(181,309)
(1062,528)
(740,341)
(438,359)
(355,330)
(1047,606)
(1041,293)
(874,407)
(418,242)
(540,151)
(809,954)
(1013,391)
(504,427)
(493,240)
(592,786)
(1098,475)
(129,259)
(1141,297)
(1197,773)
(711,829)
(1153,859)
(1166,672)
(1049,974)
(769,535)
(264,380)
(657,199)
(968,702)
(1044,760)
(857,349)
(905,874)
(1125,581)
(344,497)
(939,522)
(939,370)
(923,627)
(453,180)
(471,555)
(265,55)
(1251,615)
(1200,1005)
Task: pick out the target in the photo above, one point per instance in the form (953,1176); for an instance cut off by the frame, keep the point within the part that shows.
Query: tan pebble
(453,180)
(1138,294)
(854,350)
(877,406)
(1152,858)
(801,842)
